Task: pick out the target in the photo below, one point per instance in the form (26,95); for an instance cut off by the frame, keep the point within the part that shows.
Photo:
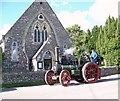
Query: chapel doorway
(47,60)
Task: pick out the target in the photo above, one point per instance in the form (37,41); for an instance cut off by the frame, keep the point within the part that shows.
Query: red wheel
(90,72)
(65,77)
(49,77)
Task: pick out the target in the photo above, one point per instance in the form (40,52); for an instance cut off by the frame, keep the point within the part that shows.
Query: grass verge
(107,66)
(22,84)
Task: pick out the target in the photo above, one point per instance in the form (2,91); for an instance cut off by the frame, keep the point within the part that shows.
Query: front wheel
(64,77)
(49,77)
(90,72)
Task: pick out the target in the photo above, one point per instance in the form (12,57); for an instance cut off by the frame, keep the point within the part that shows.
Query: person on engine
(94,56)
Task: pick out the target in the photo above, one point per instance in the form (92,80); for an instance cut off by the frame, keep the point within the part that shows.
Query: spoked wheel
(64,77)
(90,72)
(49,75)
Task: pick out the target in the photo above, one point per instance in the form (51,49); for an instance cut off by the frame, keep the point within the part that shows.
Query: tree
(103,38)
(78,37)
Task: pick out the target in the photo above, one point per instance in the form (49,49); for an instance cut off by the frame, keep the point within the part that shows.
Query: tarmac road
(105,88)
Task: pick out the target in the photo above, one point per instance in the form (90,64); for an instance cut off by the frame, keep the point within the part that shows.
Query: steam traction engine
(69,70)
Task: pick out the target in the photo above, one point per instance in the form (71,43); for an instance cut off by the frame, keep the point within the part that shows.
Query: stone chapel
(36,41)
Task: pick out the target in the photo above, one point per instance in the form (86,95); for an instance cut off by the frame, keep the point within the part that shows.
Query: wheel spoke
(48,77)
(64,77)
(90,72)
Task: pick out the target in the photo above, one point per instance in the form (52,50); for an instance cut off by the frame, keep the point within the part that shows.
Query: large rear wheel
(64,77)
(90,72)
(49,75)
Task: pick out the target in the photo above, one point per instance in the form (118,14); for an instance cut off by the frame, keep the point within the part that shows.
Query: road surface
(105,88)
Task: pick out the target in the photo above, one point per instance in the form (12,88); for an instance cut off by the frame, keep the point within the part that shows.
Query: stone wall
(23,77)
(40,75)
(108,71)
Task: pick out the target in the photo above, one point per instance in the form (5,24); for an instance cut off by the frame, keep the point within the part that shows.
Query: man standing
(94,56)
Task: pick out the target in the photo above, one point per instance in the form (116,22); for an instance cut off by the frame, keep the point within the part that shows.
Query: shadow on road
(106,80)
(8,89)
(99,81)
(76,84)
(72,84)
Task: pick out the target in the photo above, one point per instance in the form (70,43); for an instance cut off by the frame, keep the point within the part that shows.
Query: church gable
(38,24)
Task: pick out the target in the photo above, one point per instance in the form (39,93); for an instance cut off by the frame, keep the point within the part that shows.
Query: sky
(85,13)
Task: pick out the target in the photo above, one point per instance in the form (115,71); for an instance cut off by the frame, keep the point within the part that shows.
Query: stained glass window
(14,52)
(45,35)
(38,36)
(37,33)
(42,35)
(35,36)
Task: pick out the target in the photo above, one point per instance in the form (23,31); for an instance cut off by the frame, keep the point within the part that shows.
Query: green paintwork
(75,72)
(68,67)
(72,69)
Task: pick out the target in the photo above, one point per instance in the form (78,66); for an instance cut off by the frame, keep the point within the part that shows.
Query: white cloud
(64,3)
(96,15)
(53,3)
(69,19)
(100,10)
(4,30)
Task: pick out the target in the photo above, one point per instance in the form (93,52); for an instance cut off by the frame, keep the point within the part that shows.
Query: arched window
(40,17)
(14,51)
(47,60)
(38,36)
(44,33)
(37,33)
(35,36)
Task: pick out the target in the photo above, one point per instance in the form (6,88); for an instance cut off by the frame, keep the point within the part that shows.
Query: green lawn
(22,84)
